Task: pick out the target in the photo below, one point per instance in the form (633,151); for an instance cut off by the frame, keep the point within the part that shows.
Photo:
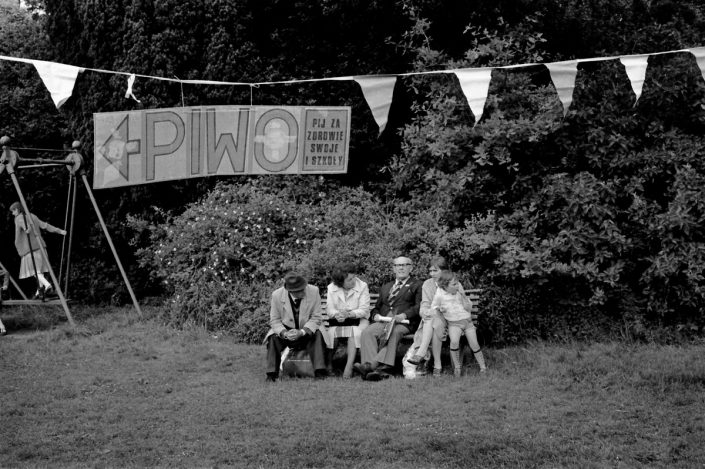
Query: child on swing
(27,244)
(455,307)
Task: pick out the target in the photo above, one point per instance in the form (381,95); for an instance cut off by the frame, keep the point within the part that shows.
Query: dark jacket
(407,302)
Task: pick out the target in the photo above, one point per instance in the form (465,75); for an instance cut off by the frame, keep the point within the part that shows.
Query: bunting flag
(475,83)
(129,93)
(699,53)
(58,78)
(636,71)
(563,76)
(378,91)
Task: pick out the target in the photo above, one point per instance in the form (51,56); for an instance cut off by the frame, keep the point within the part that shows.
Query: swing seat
(48,302)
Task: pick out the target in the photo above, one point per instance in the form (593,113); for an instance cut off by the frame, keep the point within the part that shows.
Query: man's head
(295,284)
(402,267)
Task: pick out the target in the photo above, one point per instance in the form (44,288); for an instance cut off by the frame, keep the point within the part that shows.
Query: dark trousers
(313,343)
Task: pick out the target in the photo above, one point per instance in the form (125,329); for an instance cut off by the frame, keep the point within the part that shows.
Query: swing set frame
(10,162)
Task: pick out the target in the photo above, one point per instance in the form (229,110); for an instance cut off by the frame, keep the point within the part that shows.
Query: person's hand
(340,316)
(400,317)
(63,232)
(377,317)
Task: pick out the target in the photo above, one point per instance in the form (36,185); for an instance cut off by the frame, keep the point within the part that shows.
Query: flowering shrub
(222,256)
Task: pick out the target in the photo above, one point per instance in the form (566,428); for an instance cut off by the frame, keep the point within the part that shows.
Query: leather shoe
(364,369)
(377,375)
(272,377)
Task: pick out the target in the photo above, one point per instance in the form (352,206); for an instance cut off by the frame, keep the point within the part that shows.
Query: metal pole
(11,172)
(66,222)
(110,242)
(12,280)
(31,252)
(73,215)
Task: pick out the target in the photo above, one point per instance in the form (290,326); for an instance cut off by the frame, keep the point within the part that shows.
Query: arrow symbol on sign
(117,148)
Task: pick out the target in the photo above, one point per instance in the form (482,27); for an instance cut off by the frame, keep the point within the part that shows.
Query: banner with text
(153,145)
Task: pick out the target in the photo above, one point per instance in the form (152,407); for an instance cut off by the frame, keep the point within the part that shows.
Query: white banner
(138,147)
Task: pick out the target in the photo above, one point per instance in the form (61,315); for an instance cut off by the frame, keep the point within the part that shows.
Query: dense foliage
(573,223)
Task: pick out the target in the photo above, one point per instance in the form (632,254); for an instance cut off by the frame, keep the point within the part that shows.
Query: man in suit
(395,314)
(295,318)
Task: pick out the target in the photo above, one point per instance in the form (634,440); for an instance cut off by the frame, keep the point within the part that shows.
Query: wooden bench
(474,294)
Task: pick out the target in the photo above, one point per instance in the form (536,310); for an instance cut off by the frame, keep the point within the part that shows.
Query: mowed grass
(123,393)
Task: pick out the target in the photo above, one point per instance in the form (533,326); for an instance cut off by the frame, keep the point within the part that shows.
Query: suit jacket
(407,302)
(281,316)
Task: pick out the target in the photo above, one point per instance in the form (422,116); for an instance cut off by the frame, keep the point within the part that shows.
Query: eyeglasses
(402,265)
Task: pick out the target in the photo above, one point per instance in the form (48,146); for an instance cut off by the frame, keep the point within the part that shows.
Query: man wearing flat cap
(295,320)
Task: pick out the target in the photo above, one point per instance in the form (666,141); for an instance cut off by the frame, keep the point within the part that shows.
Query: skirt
(333,332)
(27,267)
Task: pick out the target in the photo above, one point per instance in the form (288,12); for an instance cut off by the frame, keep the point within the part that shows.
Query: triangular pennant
(58,78)
(563,76)
(699,53)
(129,93)
(475,83)
(636,71)
(378,91)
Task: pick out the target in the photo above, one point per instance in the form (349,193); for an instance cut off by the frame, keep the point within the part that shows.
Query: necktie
(395,291)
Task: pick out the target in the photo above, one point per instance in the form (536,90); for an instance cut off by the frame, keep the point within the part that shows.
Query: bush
(222,256)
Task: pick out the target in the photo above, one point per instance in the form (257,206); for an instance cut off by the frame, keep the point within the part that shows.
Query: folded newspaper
(389,327)
(390,319)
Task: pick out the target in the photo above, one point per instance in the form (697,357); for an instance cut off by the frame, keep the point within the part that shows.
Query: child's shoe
(415,360)
(39,293)
(437,372)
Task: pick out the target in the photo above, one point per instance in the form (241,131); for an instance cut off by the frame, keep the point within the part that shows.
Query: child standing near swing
(456,308)
(27,244)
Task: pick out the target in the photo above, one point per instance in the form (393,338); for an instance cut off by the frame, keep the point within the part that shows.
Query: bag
(345,322)
(296,364)
(414,371)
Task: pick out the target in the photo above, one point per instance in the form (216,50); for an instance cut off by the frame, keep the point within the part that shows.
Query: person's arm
(275,317)
(316,318)
(363,312)
(428,290)
(20,223)
(374,314)
(467,303)
(436,302)
(46,226)
(331,308)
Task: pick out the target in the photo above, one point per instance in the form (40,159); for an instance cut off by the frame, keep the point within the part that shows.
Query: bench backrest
(474,294)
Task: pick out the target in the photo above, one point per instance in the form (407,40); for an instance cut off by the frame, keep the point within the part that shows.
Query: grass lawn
(123,393)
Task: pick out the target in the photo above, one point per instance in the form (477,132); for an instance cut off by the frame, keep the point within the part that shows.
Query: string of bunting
(60,79)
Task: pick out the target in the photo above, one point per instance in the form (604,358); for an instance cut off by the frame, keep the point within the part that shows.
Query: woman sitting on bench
(348,307)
